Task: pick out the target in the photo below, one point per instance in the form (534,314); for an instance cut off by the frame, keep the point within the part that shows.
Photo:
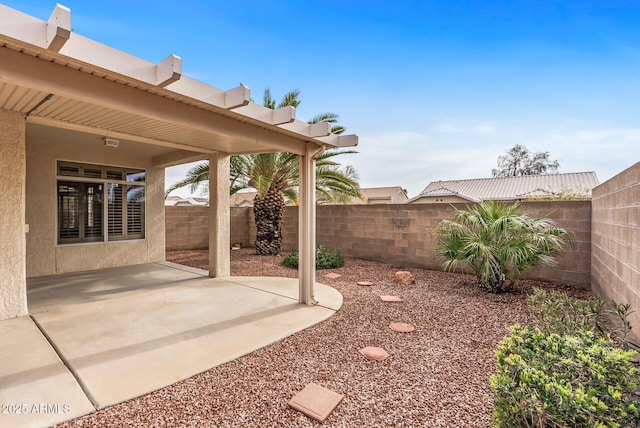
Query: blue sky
(435,90)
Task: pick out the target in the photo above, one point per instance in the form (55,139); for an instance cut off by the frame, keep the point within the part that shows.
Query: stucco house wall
(44,255)
(13,295)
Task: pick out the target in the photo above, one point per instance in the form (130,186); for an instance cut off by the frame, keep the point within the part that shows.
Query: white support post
(219,216)
(307,226)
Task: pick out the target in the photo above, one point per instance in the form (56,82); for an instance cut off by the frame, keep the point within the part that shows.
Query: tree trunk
(268,212)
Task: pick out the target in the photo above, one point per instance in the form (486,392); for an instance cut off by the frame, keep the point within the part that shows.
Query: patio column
(219,216)
(13,247)
(307,226)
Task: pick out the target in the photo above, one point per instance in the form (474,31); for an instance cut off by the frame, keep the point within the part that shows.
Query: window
(100,203)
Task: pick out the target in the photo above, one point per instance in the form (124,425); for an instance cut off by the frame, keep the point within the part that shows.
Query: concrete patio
(97,338)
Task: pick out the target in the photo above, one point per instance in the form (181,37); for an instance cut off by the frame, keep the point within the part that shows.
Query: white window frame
(106,183)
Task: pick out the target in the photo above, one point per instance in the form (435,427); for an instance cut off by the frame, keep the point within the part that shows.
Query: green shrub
(497,242)
(325,259)
(556,312)
(551,380)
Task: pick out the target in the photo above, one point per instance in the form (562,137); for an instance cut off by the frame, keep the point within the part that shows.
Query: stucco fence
(400,235)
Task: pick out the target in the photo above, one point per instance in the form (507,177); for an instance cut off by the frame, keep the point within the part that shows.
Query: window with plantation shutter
(92,204)
(115,210)
(135,211)
(100,204)
(68,210)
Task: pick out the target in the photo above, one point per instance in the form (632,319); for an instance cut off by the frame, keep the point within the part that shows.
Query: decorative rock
(391,299)
(374,353)
(365,283)
(332,275)
(403,278)
(316,401)
(402,327)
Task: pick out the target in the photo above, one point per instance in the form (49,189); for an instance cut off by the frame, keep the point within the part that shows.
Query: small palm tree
(497,242)
(276,175)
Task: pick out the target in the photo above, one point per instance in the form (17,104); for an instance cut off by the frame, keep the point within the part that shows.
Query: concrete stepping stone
(315,401)
(365,283)
(374,353)
(391,299)
(402,327)
(332,275)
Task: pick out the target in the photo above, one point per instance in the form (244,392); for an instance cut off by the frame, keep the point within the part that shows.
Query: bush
(556,312)
(497,242)
(325,259)
(551,380)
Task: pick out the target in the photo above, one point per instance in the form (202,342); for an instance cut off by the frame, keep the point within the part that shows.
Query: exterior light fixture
(110,142)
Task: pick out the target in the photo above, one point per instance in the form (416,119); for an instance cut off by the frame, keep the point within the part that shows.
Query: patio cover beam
(168,70)
(58,29)
(31,72)
(113,134)
(54,42)
(177,157)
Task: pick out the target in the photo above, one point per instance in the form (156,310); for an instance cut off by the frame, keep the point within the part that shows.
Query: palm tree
(275,176)
(497,242)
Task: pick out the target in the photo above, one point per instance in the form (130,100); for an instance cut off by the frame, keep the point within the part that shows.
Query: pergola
(59,80)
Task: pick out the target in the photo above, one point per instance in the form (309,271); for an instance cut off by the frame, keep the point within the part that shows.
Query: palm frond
(196,177)
(324,117)
(267,99)
(338,129)
(290,99)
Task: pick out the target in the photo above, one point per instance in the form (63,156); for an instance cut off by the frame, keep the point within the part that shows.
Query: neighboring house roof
(171,200)
(186,202)
(514,188)
(390,195)
(242,199)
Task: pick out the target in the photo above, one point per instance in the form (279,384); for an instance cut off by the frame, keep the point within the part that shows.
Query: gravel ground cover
(436,376)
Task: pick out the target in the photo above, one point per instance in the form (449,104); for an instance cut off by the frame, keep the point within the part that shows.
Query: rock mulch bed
(436,376)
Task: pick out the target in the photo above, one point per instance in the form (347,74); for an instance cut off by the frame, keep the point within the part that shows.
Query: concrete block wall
(396,234)
(187,227)
(615,248)
(243,226)
(402,235)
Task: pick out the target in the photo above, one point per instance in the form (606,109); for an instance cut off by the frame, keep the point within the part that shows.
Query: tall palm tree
(275,176)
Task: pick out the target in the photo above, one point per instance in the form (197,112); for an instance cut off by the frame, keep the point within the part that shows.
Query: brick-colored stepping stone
(316,401)
(391,299)
(402,327)
(374,353)
(332,275)
(365,283)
